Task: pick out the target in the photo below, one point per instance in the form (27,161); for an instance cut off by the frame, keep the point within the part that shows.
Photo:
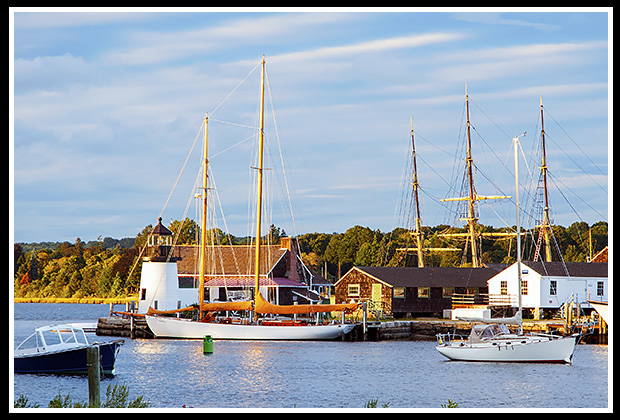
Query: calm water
(246,374)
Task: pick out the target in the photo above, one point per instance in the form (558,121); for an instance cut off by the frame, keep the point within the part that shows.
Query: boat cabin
(484,332)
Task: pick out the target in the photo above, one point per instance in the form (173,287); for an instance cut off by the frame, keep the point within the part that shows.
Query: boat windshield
(486,332)
(29,343)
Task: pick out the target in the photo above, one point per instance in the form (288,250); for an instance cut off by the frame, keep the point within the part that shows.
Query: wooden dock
(426,329)
(419,329)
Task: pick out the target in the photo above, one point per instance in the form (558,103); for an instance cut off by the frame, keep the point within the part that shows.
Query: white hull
(166,327)
(601,308)
(541,350)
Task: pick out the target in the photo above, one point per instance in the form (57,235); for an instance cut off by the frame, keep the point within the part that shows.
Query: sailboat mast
(518,205)
(418,227)
(203,228)
(260,184)
(471,219)
(546,220)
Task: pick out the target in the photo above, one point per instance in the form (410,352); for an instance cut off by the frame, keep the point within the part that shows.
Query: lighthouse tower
(159,282)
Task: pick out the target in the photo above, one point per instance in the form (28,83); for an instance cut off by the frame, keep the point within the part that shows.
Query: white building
(548,285)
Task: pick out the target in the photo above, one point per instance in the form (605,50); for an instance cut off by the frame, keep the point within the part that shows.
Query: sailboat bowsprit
(245,328)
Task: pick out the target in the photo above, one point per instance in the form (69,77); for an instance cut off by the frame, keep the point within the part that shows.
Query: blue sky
(107,105)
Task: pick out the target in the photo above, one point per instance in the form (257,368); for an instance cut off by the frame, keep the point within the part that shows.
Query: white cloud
(488,18)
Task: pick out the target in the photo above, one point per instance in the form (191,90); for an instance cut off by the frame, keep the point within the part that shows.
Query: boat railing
(446,339)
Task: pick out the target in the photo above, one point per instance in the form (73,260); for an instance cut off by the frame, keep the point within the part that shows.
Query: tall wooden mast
(259,184)
(203,228)
(418,228)
(472,220)
(419,235)
(545,226)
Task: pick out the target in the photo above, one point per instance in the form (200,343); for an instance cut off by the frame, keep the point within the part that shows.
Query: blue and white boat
(61,349)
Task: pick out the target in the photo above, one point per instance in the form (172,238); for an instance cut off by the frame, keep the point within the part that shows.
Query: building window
(399,293)
(553,287)
(503,287)
(424,292)
(600,288)
(354,290)
(142,294)
(188,283)
(472,291)
(447,292)
(524,287)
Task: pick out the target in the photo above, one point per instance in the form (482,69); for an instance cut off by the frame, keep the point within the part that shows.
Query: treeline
(362,246)
(111,268)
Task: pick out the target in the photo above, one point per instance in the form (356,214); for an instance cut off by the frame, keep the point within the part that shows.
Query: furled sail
(515,320)
(227,306)
(264,307)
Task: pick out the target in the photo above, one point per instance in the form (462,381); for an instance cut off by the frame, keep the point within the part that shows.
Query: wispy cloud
(499,19)
(386,44)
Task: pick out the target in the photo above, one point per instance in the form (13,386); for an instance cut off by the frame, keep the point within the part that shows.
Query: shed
(548,285)
(412,291)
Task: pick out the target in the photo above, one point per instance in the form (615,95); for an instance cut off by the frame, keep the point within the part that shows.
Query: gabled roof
(229,260)
(432,276)
(575,269)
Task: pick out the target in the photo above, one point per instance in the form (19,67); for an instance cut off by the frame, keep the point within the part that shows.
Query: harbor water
(247,374)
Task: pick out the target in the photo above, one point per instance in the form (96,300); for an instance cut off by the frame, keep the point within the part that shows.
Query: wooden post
(365,317)
(92,362)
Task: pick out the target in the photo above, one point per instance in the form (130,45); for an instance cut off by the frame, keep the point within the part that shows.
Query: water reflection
(173,373)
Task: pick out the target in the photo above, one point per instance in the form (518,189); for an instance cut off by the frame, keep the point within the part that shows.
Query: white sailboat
(493,341)
(247,329)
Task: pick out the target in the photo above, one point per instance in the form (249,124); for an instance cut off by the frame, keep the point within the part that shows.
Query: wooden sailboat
(493,342)
(245,329)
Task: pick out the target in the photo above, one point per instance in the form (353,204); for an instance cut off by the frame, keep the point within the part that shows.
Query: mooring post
(365,318)
(131,319)
(92,362)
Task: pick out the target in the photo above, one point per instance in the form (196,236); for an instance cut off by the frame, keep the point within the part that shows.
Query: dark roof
(160,229)
(434,276)
(236,260)
(575,269)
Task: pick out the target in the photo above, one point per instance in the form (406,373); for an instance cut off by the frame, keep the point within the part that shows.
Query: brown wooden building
(411,291)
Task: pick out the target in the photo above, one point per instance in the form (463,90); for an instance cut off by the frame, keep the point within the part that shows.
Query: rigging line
(575,143)
(230,242)
(233,91)
(288,193)
(585,202)
(232,123)
(573,160)
(233,146)
(182,169)
(490,119)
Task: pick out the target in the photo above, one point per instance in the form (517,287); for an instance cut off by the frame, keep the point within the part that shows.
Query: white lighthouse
(159,282)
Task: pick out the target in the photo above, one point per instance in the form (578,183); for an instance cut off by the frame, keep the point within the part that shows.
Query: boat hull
(67,361)
(557,350)
(167,327)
